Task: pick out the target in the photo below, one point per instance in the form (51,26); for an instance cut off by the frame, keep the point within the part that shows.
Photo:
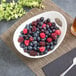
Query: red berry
(25,31)
(20,39)
(31,39)
(44,25)
(49,40)
(42,35)
(42,49)
(58,32)
(25,50)
(42,43)
(34,23)
(33,29)
(26,42)
(33,53)
(50,24)
(54,35)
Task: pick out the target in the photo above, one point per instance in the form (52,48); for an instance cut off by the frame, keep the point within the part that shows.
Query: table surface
(11,61)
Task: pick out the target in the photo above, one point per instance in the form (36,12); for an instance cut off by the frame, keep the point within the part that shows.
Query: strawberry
(44,25)
(42,35)
(42,49)
(25,31)
(26,42)
(58,32)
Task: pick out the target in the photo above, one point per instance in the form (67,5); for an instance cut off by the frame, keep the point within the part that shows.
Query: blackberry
(42,19)
(48,20)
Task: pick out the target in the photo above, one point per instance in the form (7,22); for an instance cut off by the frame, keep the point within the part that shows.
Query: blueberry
(35,48)
(51,47)
(47,26)
(53,30)
(37,32)
(34,42)
(45,51)
(47,46)
(29,47)
(29,36)
(46,36)
(31,44)
(55,42)
(25,48)
(36,35)
(47,32)
(51,44)
(22,32)
(27,26)
(40,23)
(44,28)
(34,38)
(38,38)
(22,45)
(50,31)
(30,26)
(38,29)
(48,20)
(53,24)
(51,27)
(42,19)
(56,28)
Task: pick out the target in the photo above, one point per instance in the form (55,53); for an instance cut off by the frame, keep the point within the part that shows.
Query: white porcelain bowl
(50,14)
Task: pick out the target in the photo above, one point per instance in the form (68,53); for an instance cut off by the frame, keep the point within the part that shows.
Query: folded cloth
(58,66)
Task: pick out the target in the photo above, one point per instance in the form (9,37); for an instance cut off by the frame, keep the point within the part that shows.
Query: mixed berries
(39,37)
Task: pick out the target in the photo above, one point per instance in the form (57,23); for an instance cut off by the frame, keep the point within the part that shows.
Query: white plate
(50,14)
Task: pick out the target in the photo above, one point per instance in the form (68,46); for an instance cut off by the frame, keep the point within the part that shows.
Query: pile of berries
(39,37)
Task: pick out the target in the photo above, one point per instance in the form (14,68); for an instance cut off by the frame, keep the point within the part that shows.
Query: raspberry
(42,35)
(44,25)
(26,42)
(33,29)
(42,49)
(42,43)
(33,53)
(54,35)
(49,40)
(34,23)
(25,31)
(50,24)
(31,39)
(20,39)
(58,32)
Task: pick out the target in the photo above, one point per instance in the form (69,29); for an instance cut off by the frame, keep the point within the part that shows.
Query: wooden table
(36,64)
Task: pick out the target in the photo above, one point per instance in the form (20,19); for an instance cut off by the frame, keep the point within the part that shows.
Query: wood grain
(36,64)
